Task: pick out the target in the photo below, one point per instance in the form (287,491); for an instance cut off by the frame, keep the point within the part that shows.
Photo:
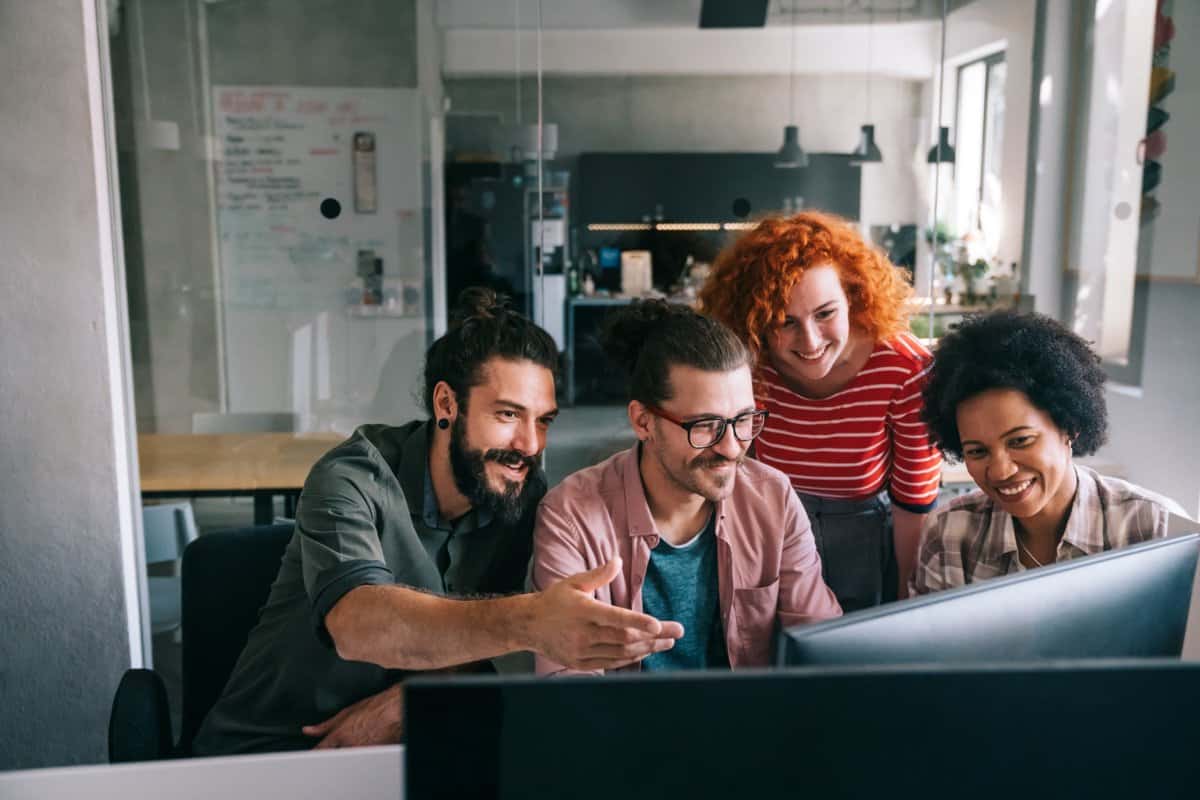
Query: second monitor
(1129,603)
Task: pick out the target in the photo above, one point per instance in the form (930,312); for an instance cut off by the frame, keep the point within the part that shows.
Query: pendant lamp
(942,152)
(791,155)
(867,151)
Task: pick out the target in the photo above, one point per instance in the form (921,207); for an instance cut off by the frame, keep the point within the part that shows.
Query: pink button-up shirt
(767,563)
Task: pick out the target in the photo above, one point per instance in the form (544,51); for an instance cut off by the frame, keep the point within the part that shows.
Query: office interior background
(214,208)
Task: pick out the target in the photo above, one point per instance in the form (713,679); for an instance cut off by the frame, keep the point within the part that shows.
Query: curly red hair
(752,278)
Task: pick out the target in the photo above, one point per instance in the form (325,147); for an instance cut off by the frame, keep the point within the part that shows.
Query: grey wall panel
(63,627)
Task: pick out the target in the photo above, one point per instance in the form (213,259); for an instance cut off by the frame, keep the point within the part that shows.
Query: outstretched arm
(400,628)
(368,617)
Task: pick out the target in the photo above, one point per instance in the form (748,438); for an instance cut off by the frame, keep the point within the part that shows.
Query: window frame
(989,62)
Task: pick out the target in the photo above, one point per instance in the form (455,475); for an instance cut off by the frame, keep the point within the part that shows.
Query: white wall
(1176,231)
(67,597)
(1155,431)
(1156,427)
(900,50)
(161,71)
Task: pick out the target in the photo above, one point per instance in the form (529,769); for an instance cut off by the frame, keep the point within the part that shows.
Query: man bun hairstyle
(483,327)
(647,337)
(1055,368)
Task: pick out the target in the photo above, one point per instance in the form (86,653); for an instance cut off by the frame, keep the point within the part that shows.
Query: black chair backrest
(139,726)
(227,576)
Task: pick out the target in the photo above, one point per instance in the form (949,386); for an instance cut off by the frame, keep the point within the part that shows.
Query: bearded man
(405,536)
(707,537)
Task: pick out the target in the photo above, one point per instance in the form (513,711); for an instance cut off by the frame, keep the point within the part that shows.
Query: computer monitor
(1128,603)
(1097,729)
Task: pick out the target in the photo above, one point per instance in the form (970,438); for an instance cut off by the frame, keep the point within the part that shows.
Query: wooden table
(260,465)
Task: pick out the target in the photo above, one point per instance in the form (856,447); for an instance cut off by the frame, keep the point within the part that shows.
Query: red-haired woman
(825,314)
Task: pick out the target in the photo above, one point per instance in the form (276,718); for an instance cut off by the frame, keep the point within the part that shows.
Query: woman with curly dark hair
(1017,396)
(825,315)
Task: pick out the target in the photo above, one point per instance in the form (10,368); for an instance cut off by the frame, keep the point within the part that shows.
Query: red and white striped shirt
(848,445)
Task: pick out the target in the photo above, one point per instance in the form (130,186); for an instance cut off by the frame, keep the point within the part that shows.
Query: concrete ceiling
(626,14)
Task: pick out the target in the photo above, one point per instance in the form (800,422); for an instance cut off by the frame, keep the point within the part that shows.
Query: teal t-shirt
(681,585)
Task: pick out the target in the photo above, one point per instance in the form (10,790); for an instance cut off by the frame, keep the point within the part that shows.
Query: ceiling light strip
(688,226)
(610,227)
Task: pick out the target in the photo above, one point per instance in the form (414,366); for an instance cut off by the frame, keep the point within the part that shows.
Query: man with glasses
(707,538)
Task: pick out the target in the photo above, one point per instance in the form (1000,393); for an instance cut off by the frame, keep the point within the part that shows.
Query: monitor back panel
(1130,603)
(1107,729)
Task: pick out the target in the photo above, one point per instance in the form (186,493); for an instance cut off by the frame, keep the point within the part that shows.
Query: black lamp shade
(791,155)
(867,151)
(942,152)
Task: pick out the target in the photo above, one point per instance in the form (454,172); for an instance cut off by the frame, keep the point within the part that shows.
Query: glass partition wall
(275,171)
(307,187)
(280,170)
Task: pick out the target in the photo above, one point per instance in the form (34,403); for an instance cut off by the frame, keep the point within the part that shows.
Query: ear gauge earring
(443,423)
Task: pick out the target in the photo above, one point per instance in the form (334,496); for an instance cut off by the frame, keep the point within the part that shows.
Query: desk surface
(229,462)
(365,772)
(246,462)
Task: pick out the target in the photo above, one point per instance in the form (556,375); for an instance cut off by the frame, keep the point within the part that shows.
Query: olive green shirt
(367,515)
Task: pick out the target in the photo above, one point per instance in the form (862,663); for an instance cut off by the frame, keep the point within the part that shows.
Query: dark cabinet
(616,188)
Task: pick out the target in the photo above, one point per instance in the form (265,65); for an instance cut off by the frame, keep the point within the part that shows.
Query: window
(980,125)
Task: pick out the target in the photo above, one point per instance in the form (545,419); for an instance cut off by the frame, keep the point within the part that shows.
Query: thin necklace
(1028,552)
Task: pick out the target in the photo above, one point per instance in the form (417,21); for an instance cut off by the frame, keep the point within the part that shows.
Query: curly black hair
(1056,369)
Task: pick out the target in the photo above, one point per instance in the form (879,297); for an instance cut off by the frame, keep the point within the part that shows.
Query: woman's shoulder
(903,348)
(1115,494)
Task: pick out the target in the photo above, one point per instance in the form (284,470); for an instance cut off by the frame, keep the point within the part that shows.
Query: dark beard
(470,476)
(686,479)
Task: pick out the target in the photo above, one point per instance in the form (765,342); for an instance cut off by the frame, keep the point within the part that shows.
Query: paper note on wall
(554,231)
(636,273)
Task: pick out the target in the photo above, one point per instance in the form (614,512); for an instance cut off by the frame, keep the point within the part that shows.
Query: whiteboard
(288,278)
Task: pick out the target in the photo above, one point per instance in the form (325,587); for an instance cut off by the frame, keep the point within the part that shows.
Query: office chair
(167,529)
(226,579)
(227,576)
(139,727)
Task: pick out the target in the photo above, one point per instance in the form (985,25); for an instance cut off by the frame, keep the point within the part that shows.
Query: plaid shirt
(970,539)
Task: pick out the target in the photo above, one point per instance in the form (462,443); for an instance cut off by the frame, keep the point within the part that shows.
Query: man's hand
(372,720)
(570,627)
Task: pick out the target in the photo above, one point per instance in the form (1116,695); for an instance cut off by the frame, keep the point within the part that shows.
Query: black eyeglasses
(707,431)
